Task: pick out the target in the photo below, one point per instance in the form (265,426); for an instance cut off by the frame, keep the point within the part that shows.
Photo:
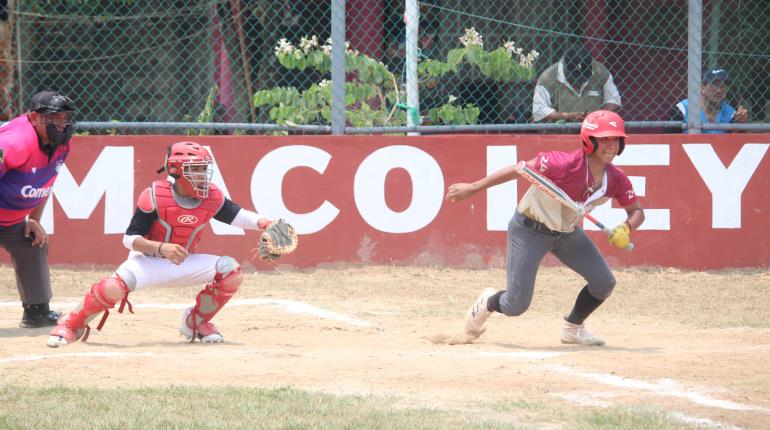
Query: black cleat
(36,316)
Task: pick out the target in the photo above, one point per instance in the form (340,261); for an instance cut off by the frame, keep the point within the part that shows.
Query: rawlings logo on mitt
(279,238)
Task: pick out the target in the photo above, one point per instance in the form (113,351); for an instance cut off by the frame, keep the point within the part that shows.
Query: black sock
(493,304)
(40,309)
(585,304)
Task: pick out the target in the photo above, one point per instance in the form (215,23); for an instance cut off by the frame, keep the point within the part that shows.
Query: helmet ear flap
(590,145)
(171,168)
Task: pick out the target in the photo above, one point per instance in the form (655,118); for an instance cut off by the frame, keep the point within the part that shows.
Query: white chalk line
(703,422)
(17,358)
(535,355)
(598,400)
(287,305)
(666,387)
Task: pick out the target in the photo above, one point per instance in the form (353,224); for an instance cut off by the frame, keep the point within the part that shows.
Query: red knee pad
(229,283)
(215,295)
(110,290)
(102,296)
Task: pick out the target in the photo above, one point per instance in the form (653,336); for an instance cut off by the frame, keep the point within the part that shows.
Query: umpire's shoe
(36,316)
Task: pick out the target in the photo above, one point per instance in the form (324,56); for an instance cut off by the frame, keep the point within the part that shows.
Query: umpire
(33,147)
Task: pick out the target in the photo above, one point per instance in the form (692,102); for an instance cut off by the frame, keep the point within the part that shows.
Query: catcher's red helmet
(191,165)
(602,123)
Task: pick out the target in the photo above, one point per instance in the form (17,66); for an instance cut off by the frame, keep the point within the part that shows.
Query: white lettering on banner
(501,199)
(112,176)
(637,155)
(267,186)
(218,227)
(726,184)
(427,189)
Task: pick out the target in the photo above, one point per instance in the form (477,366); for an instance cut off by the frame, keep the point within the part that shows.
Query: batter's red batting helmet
(602,123)
(191,165)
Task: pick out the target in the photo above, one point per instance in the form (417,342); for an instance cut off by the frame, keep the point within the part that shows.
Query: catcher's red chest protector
(176,224)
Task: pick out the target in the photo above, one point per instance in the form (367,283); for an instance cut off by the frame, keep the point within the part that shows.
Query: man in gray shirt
(573,87)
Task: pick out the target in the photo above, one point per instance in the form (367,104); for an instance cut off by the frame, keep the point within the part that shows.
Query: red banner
(379,199)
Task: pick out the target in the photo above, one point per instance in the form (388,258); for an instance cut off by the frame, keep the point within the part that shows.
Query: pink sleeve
(14,155)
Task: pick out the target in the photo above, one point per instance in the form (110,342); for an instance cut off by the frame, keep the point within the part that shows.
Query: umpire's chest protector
(181,225)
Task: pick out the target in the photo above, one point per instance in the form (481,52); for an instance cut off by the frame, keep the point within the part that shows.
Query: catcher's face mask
(192,166)
(196,177)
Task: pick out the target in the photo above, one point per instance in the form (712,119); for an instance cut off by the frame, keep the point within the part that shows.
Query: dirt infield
(695,344)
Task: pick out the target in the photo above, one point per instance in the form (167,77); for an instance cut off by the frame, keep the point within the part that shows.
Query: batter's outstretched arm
(461,190)
(635,215)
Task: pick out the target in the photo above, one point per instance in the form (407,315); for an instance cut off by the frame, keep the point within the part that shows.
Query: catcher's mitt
(279,238)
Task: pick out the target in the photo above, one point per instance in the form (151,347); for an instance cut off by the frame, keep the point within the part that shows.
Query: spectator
(715,109)
(573,87)
(397,52)
(430,96)
(33,146)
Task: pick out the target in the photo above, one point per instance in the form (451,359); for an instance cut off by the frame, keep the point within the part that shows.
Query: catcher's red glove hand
(279,238)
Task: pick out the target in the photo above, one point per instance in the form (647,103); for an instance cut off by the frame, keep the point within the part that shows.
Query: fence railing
(213,66)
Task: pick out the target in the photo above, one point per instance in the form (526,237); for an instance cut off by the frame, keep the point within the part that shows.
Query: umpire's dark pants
(30,263)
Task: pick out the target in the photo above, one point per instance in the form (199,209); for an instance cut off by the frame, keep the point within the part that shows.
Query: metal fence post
(412,20)
(338,66)
(694,58)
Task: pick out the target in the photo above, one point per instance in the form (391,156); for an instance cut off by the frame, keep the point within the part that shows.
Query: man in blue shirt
(715,109)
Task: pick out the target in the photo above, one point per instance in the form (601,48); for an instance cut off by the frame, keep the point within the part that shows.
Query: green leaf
(364,73)
(301,63)
(454,57)
(474,54)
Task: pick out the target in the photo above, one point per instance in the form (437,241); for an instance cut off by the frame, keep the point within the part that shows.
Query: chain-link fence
(479,62)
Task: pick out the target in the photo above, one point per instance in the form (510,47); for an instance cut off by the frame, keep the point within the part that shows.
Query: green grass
(288,408)
(630,418)
(216,408)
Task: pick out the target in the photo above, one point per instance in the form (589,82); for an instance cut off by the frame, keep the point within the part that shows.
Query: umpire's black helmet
(50,101)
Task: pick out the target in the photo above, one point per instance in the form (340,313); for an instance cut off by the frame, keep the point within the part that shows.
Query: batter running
(542,225)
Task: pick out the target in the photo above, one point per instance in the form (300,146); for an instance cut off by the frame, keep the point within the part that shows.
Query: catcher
(162,238)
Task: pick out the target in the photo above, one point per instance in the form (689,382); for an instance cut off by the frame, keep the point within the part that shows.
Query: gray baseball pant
(529,241)
(30,264)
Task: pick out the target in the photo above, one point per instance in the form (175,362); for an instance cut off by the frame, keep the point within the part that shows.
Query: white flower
(451,99)
(510,46)
(284,47)
(307,44)
(529,59)
(472,38)
(324,83)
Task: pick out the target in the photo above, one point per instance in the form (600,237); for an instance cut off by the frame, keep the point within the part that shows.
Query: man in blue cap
(715,109)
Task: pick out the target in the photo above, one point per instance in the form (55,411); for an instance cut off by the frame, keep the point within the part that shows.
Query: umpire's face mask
(59,127)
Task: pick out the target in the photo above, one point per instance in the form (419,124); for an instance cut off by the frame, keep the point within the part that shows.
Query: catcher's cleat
(478,314)
(206,332)
(578,334)
(62,335)
(36,316)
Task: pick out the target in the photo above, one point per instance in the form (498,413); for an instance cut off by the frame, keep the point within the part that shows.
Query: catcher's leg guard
(102,296)
(195,322)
